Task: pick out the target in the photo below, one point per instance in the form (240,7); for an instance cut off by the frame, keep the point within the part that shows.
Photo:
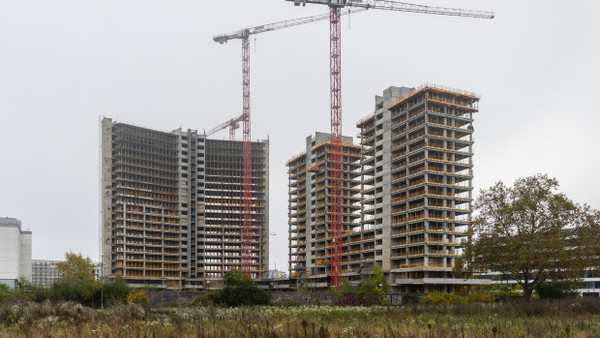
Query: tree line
(78,283)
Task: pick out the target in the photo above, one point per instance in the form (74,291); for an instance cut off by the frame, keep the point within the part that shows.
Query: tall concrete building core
(417,175)
(15,251)
(309,211)
(172,206)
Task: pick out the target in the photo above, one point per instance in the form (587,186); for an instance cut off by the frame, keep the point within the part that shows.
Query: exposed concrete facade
(309,205)
(172,206)
(15,251)
(417,176)
(415,168)
(377,200)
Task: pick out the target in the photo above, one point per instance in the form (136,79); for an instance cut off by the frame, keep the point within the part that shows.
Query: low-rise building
(45,273)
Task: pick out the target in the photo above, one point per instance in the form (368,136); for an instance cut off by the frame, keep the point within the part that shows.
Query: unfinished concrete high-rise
(309,209)
(412,179)
(417,176)
(172,207)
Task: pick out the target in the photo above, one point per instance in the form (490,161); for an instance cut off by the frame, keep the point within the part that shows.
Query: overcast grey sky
(154,64)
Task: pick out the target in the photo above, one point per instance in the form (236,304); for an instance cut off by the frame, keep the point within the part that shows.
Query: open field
(575,318)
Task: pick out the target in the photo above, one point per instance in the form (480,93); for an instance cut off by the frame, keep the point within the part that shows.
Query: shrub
(502,292)
(443,298)
(556,290)
(5,293)
(345,294)
(117,290)
(372,290)
(208,299)
(240,290)
(137,297)
(481,298)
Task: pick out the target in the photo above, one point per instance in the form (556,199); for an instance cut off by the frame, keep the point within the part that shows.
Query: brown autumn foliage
(531,232)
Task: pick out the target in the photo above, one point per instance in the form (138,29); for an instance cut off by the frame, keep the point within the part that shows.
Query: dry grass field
(566,318)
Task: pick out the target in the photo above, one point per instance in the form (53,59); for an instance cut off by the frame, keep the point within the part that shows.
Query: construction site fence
(349,299)
(169,298)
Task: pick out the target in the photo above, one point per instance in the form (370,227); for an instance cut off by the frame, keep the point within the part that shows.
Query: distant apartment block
(45,273)
(15,251)
(588,287)
(172,206)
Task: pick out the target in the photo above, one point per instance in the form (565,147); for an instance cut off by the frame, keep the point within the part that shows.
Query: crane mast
(335,76)
(244,35)
(335,48)
(247,159)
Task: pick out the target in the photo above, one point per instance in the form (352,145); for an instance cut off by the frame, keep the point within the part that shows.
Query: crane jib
(400,7)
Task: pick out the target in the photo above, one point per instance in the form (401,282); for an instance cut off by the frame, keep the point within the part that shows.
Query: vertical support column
(247,159)
(336,146)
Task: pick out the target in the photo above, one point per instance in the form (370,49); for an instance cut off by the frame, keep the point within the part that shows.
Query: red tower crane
(232,124)
(244,35)
(336,100)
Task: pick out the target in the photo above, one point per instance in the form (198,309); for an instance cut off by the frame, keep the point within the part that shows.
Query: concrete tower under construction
(417,175)
(407,194)
(309,209)
(172,206)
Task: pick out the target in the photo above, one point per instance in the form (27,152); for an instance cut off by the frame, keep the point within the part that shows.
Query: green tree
(530,232)
(116,290)
(373,289)
(556,290)
(5,293)
(78,281)
(75,267)
(239,289)
(345,289)
(24,290)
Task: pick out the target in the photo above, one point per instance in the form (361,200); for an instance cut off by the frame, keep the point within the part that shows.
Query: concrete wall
(383,160)
(25,255)
(9,252)
(106,178)
(15,250)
